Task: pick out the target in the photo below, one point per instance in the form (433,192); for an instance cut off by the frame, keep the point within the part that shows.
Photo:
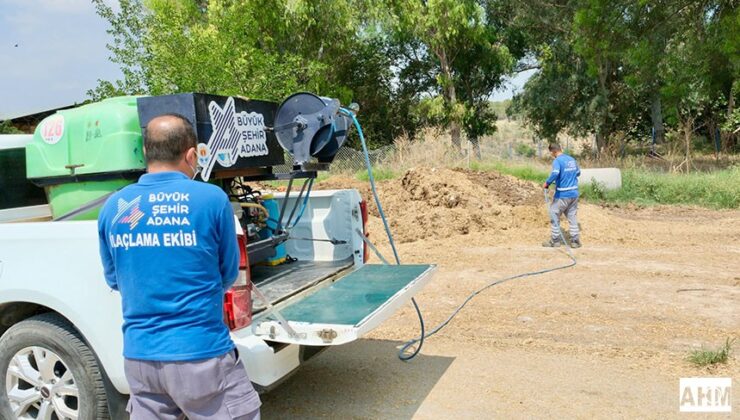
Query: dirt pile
(439,203)
(506,189)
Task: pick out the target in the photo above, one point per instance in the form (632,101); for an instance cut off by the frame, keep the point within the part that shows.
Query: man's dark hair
(168,145)
(554,147)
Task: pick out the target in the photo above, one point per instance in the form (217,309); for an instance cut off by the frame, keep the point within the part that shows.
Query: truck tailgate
(346,309)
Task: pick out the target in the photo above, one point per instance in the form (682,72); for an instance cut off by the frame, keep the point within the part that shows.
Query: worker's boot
(575,243)
(551,243)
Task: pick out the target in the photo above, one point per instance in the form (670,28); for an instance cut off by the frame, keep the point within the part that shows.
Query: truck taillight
(243,263)
(238,299)
(363,211)
(238,307)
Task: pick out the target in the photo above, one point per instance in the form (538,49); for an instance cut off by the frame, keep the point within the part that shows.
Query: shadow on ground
(363,379)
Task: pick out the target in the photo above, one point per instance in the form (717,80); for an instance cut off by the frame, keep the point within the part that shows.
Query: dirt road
(606,338)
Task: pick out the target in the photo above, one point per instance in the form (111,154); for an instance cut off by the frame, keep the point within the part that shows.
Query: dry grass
(512,144)
(645,181)
(433,148)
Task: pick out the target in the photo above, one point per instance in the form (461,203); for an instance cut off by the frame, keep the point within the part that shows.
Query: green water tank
(84,153)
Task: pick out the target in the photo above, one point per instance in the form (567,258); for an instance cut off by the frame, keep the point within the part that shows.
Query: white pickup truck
(60,325)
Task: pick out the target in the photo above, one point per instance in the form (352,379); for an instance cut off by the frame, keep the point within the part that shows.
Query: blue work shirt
(565,173)
(168,245)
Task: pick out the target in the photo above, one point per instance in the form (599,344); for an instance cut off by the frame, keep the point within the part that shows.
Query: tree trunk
(476,147)
(454,124)
(687,126)
(603,118)
(731,137)
(455,136)
(656,115)
(730,103)
(688,130)
(451,97)
(600,142)
(712,133)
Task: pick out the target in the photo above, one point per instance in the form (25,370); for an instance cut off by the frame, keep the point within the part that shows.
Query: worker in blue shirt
(169,246)
(565,173)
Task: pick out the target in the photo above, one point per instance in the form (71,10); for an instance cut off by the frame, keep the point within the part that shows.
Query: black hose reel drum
(309,126)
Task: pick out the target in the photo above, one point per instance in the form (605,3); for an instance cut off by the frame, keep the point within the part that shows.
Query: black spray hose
(402,354)
(500,281)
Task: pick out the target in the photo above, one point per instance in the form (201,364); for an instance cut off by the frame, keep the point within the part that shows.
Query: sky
(53,51)
(60,54)
(511,86)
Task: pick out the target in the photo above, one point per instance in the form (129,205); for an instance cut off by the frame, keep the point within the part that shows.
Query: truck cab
(19,198)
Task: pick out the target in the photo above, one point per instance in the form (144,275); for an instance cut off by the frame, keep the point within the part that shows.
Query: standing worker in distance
(168,245)
(565,173)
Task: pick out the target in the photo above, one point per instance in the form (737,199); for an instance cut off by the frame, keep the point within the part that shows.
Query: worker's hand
(545,186)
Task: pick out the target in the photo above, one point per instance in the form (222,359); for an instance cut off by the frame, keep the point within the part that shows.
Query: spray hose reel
(309,126)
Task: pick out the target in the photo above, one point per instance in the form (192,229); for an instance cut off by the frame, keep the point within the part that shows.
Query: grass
(521,171)
(719,189)
(379,174)
(711,357)
(297,183)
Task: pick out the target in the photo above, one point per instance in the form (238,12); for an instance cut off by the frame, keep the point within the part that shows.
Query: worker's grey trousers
(569,206)
(213,389)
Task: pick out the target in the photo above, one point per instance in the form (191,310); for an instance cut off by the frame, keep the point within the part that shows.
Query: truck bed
(283,281)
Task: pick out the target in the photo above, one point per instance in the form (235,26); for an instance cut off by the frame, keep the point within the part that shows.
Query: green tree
(699,72)
(481,67)
(128,49)
(616,68)
(265,49)
(561,96)
(458,46)
(649,26)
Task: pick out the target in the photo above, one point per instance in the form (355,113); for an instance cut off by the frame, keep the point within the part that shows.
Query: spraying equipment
(82,155)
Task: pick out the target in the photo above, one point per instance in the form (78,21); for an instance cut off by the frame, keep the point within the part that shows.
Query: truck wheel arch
(15,312)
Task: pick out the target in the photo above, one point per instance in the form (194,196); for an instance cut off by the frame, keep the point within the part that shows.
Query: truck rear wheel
(48,372)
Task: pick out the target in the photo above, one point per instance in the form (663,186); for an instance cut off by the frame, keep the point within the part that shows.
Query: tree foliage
(461,46)
(614,69)
(264,49)
(617,69)
(7,128)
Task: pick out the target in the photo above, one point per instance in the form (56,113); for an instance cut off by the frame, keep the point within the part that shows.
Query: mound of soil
(439,203)
(507,189)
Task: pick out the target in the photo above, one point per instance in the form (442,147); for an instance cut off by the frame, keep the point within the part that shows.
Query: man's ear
(191,156)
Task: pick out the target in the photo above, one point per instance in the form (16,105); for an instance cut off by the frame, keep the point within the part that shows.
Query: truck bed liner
(283,281)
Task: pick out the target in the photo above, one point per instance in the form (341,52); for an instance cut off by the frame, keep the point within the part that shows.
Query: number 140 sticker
(52,129)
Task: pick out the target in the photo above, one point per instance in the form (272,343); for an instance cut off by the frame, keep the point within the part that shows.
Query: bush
(703,144)
(598,189)
(7,128)
(525,150)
